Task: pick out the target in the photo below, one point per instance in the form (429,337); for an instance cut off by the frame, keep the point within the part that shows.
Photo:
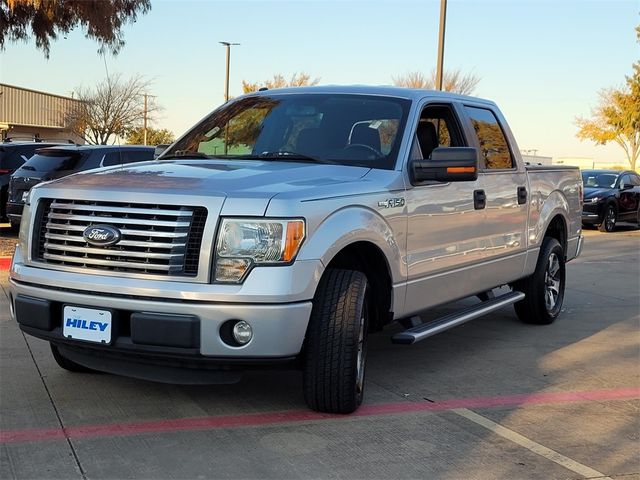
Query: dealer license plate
(86,324)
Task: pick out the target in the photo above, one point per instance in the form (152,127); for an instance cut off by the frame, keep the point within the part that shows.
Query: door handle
(522,195)
(479,199)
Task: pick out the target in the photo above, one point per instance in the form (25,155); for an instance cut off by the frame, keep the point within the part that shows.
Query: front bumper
(592,213)
(279,323)
(278,329)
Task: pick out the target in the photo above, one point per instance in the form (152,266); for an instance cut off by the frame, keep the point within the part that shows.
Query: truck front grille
(155,239)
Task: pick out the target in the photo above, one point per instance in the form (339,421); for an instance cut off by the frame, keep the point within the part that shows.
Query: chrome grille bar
(124,231)
(110,252)
(110,263)
(107,219)
(126,210)
(122,243)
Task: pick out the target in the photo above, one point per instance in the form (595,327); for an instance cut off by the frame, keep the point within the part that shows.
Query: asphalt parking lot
(490,399)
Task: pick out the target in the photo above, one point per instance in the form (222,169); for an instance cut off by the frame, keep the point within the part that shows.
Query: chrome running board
(425,330)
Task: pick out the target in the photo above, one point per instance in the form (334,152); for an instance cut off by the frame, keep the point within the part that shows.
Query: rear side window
(126,156)
(53,162)
(629,179)
(137,156)
(494,147)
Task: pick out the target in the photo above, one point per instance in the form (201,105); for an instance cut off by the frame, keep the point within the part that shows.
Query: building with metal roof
(27,114)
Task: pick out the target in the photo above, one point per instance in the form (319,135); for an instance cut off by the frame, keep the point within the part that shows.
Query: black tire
(67,364)
(609,219)
(336,343)
(540,306)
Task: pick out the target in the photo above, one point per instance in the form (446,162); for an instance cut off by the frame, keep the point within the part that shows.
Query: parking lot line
(297,416)
(529,444)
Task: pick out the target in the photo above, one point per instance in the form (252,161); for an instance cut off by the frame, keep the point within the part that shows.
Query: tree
(45,20)
(114,107)
(453,81)
(278,81)
(617,117)
(154,137)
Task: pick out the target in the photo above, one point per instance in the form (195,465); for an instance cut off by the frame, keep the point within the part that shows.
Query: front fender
(354,224)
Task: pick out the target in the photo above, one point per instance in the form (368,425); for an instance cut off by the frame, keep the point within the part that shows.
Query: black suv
(55,162)
(12,155)
(609,196)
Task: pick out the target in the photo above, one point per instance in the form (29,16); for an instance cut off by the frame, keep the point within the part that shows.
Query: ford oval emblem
(101,235)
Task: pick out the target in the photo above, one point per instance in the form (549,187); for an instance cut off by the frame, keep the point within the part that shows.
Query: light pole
(226,84)
(145,114)
(443,21)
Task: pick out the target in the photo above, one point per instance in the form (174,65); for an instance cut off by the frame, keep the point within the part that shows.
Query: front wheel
(609,220)
(336,343)
(544,290)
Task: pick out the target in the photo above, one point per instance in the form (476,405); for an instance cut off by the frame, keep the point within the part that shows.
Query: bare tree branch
(453,81)
(278,81)
(113,107)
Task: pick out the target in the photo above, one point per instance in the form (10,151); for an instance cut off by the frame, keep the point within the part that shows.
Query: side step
(426,330)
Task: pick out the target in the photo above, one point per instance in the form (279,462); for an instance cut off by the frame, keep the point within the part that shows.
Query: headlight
(26,197)
(243,243)
(594,199)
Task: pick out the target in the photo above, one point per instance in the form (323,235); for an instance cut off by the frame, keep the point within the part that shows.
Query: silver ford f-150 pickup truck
(286,226)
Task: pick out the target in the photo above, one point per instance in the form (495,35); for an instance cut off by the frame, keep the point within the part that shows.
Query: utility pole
(443,21)
(145,118)
(228,46)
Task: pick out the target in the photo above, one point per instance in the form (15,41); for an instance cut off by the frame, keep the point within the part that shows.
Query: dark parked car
(55,162)
(610,196)
(12,155)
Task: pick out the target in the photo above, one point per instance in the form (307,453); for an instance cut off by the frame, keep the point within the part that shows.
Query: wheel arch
(558,229)
(368,258)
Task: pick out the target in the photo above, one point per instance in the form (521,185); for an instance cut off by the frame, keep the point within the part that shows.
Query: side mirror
(627,186)
(447,164)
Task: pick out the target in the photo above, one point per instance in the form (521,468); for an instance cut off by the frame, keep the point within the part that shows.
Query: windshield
(359,130)
(599,180)
(52,162)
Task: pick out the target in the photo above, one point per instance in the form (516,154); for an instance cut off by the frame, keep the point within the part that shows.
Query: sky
(543,62)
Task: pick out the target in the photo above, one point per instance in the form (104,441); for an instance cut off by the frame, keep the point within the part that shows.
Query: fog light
(242,332)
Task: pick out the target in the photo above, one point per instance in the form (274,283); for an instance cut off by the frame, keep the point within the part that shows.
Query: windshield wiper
(185,155)
(286,155)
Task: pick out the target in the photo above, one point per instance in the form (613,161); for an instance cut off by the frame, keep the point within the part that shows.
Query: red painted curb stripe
(5,263)
(292,416)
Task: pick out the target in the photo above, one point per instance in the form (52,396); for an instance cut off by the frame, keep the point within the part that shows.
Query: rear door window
(494,148)
(53,162)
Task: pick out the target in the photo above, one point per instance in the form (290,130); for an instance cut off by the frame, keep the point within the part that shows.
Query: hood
(239,180)
(590,192)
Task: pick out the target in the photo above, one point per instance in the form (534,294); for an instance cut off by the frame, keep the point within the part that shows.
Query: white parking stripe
(552,455)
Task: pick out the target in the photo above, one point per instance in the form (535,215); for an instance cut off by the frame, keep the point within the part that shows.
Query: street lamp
(226,85)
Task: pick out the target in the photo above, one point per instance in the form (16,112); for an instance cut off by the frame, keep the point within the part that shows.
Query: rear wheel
(544,290)
(67,364)
(336,344)
(609,220)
